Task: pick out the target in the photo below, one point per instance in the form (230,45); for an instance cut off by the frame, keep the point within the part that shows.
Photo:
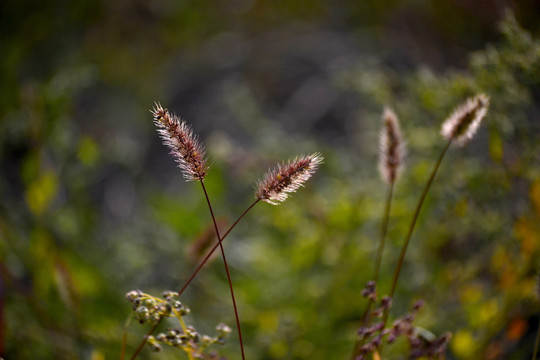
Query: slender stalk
(200,266)
(205,260)
(415,218)
(411,228)
(124,338)
(143,342)
(184,329)
(536,343)
(384,230)
(226,270)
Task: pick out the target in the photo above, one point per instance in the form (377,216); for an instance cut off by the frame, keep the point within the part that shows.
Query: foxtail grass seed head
(465,120)
(392,147)
(286,178)
(184,144)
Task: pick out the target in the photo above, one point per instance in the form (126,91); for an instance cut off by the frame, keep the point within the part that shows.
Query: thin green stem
(384,230)
(226,269)
(200,266)
(536,343)
(411,229)
(415,218)
(380,250)
(413,223)
(124,338)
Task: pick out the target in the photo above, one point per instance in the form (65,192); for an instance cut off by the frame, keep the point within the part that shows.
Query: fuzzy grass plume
(286,178)
(460,127)
(392,147)
(184,144)
(463,123)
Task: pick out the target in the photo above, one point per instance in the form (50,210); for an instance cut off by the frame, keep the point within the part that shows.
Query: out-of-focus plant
(493,322)
(150,309)
(88,209)
(459,128)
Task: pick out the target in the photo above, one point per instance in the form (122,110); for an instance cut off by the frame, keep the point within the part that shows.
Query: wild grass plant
(89,211)
(275,188)
(458,130)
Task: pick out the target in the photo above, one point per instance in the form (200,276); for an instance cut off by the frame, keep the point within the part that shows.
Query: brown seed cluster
(392,147)
(286,178)
(463,123)
(184,144)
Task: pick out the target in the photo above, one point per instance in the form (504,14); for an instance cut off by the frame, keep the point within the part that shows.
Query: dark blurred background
(92,205)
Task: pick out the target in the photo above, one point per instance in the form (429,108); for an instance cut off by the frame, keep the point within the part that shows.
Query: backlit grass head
(286,178)
(392,147)
(463,123)
(185,146)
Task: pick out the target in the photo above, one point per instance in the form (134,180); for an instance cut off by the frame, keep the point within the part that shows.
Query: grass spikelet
(184,144)
(463,123)
(392,147)
(286,178)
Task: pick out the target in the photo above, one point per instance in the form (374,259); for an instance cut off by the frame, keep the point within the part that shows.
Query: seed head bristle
(286,178)
(463,123)
(184,145)
(392,147)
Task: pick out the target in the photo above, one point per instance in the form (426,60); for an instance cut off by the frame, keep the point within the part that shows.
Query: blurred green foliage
(92,206)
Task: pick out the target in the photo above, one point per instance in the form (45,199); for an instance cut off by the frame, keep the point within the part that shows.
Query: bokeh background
(92,205)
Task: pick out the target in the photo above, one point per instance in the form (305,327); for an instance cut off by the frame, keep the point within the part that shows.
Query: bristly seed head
(184,144)
(465,120)
(392,147)
(286,178)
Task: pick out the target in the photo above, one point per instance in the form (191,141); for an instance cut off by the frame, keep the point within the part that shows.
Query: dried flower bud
(370,291)
(184,144)
(392,147)
(223,329)
(285,179)
(465,120)
(386,302)
(133,295)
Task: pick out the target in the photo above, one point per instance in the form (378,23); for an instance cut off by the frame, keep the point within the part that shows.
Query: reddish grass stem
(143,342)
(226,270)
(205,260)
